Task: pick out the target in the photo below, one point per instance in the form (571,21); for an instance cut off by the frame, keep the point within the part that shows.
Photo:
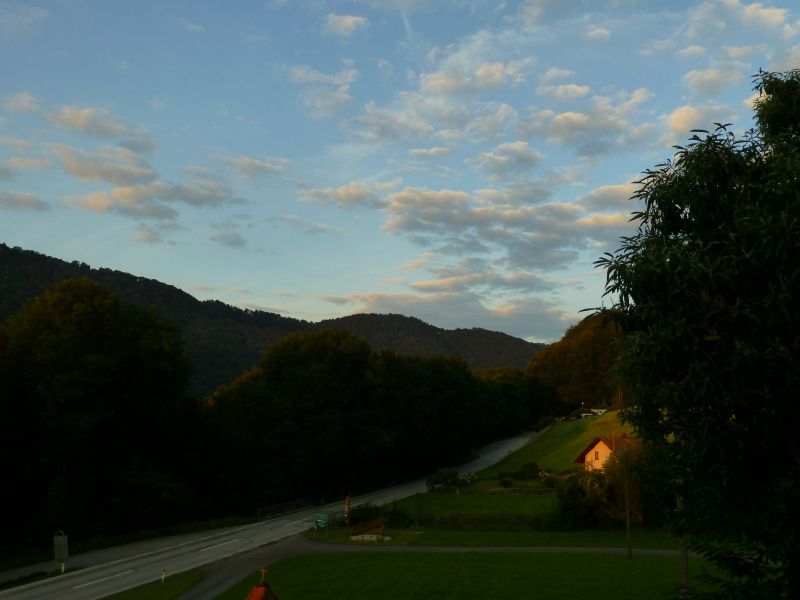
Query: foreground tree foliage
(709,296)
(93,416)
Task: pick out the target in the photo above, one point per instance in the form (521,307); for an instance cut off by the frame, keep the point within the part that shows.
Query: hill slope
(222,340)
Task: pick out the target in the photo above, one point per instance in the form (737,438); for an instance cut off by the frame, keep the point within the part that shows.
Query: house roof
(612,441)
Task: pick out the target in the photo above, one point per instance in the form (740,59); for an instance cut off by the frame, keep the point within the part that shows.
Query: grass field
(500,576)
(173,586)
(473,511)
(556,448)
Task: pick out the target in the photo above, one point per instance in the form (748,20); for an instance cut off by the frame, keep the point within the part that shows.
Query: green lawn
(556,448)
(173,586)
(476,511)
(390,576)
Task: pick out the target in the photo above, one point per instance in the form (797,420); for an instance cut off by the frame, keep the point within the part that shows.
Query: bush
(447,480)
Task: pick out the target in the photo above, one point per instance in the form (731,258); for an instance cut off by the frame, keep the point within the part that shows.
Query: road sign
(320,521)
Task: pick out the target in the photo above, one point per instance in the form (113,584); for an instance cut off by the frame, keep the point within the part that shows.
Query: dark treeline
(222,340)
(99,433)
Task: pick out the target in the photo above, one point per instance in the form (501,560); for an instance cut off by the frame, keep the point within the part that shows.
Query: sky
(464,162)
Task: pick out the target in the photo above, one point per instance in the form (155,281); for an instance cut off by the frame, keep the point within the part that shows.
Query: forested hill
(222,340)
(480,347)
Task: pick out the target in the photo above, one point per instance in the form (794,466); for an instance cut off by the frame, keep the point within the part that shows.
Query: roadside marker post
(61,549)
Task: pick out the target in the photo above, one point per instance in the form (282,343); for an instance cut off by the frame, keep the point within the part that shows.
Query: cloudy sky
(461,161)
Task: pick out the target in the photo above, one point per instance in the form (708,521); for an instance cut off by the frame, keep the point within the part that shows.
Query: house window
(596,455)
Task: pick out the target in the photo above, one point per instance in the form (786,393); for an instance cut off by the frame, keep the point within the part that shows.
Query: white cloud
(304,74)
(472,78)
(344,25)
(691,51)
(564,92)
(96,122)
(510,158)
(605,125)
(596,33)
(22,201)
(28,164)
(17,19)
(190,26)
(22,102)
(609,197)
(354,193)
(687,117)
(430,152)
(554,73)
(790,59)
(112,164)
(231,239)
(710,82)
(253,167)
(319,97)
(740,52)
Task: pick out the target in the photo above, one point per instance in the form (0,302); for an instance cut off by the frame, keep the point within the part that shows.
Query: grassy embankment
(485,574)
(173,586)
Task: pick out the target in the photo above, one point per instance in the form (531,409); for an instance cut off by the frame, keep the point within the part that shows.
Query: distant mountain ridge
(222,341)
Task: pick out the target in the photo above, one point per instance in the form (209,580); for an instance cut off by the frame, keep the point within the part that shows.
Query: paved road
(124,567)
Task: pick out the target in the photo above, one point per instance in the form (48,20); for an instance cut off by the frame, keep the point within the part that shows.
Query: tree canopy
(708,293)
(93,399)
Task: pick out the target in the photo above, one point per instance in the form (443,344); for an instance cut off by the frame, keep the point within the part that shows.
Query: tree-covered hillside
(222,341)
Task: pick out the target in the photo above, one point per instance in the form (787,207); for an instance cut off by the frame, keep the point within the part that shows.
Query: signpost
(320,522)
(60,548)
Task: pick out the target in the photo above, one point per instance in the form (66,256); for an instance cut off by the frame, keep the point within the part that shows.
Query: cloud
(603,126)
(430,152)
(554,73)
(687,117)
(533,316)
(190,26)
(378,124)
(596,33)
(354,193)
(113,164)
(22,102)
(563,92)
(22,201)
(609,197)
(319,96)
(710,82)
(96,122)
(344,25)
(691,51)
(28,164)
(789,60)
(304,74)
(466,79)
(252,167)
(17,19)
(139,141)
(510,158)
(740,52)
(231,239)
(142,201)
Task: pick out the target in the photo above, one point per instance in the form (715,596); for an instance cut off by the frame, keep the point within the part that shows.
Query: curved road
(123,567)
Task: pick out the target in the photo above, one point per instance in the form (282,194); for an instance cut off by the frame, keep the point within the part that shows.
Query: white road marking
(218,545)
(103,579)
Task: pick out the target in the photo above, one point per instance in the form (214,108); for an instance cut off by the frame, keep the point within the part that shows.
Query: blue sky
(461,161)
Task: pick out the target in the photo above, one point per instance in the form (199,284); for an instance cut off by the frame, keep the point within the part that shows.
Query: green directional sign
(321,521)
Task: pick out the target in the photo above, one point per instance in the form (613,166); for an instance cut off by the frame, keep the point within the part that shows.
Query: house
(601,449)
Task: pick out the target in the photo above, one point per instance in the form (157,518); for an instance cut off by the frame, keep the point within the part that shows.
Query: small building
(596,454)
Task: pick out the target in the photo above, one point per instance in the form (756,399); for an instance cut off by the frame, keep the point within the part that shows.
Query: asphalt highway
(125,567)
